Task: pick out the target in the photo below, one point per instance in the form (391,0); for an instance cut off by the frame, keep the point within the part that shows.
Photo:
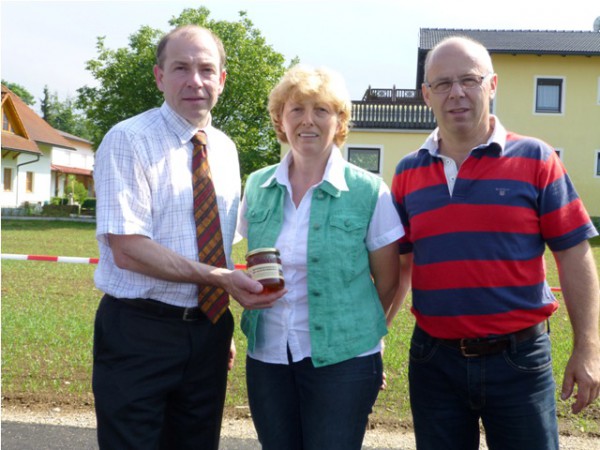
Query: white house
(36,158)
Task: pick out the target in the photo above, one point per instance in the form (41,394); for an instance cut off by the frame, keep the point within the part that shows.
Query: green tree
(19,90)
(77,188)
(64,116)
(127,85)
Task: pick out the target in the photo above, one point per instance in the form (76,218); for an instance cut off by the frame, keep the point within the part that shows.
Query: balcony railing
(375,95)
(402,109)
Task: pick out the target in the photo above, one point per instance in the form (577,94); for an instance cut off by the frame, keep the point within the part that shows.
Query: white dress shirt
(143,179)
(286,323)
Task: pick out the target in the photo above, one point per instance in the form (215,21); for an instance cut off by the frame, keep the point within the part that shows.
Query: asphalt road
(32,436)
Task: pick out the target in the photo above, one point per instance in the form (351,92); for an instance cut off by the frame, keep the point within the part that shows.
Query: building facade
(548,87)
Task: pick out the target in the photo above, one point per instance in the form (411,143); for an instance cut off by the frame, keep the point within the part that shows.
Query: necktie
(213,301)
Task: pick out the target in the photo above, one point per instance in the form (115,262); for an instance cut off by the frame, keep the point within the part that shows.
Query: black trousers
(158,382)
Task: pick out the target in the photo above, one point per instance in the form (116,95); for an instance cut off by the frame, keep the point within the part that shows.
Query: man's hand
(232,353)
(583,370)
(248,292)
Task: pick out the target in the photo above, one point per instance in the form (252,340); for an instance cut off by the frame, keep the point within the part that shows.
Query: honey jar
(264,266)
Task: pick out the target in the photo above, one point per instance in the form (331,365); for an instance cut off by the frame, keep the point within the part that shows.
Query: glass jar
(264,266)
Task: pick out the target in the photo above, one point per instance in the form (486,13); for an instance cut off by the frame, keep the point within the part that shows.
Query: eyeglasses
(466,82)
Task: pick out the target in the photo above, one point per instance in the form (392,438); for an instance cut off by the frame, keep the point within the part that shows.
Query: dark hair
(188,30)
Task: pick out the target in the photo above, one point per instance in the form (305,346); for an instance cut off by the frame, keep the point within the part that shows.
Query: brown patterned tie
(213,301)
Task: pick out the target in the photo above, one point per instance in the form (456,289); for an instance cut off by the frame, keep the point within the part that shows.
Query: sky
(370,42)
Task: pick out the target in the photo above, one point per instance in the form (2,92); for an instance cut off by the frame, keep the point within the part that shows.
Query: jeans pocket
(422,348)
(530,356)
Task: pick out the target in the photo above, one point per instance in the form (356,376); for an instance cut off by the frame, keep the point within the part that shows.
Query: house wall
(576,132)
(394,145)
(81,158)
(41,178)
(9,198)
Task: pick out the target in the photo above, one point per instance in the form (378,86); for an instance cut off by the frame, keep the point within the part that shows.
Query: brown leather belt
(495,344)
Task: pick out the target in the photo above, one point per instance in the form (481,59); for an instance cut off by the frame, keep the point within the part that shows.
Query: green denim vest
(346,317)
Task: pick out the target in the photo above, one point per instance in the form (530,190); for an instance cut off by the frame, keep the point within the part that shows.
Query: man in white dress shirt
(160,366)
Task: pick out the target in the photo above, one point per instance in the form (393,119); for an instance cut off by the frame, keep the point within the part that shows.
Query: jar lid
(262,250)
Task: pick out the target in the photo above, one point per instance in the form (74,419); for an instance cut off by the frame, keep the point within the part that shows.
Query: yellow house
(548,87)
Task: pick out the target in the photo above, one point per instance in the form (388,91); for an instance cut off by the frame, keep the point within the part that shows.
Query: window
(7,179)
(597,163)
(365,157)
(29,182)
(5,123)
(548,95)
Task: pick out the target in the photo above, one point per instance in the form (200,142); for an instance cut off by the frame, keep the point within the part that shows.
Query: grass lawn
(47,324)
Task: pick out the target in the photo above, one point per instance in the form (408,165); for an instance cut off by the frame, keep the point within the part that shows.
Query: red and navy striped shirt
(478,265)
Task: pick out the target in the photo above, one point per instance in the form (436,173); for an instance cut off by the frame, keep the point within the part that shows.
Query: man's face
(464,109)
(191,77)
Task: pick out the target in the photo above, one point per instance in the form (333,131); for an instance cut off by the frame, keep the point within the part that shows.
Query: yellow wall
(394,144)
(576,132)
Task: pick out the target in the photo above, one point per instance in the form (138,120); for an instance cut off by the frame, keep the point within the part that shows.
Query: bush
(77,189)
(60,210)
(59,201)
(89,203)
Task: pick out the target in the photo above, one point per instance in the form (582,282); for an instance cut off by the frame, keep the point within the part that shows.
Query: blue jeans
(512,392)
(300,407)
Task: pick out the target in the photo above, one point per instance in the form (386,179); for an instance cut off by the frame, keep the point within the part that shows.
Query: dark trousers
(300,407)
(512,393)
(158,382)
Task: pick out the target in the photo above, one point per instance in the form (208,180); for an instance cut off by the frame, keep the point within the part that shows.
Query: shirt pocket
(348,233)
(257,220)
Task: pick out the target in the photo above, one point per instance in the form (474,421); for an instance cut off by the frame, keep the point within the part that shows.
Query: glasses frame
(452,82)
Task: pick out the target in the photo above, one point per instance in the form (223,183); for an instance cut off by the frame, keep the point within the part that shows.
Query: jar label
(265,271)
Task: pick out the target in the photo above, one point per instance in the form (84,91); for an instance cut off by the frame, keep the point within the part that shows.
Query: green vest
(346,317)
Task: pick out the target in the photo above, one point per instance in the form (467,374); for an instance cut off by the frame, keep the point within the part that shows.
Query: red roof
(19,143)
(37,129)
(73,170)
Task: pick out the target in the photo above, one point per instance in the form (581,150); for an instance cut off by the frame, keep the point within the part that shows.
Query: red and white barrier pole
(63,259)
(67,259)
(76,260)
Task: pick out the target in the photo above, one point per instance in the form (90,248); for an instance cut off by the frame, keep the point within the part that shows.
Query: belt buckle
(188,315)
(464,349)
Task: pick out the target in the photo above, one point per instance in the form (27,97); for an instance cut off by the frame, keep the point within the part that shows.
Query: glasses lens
(470,82)
(440,87)
(467,82)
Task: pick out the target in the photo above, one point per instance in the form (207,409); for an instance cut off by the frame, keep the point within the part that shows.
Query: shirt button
(314,259)
(316,226)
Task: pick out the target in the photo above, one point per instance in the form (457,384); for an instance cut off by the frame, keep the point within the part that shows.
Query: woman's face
(309,125)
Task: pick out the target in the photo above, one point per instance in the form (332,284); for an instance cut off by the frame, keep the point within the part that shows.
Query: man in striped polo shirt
(479,205)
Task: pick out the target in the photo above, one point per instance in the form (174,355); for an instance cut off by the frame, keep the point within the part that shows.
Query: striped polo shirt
(478,240)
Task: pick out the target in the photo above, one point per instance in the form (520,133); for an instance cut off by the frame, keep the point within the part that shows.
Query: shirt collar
(498,137)
(333,182)
(181,127)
